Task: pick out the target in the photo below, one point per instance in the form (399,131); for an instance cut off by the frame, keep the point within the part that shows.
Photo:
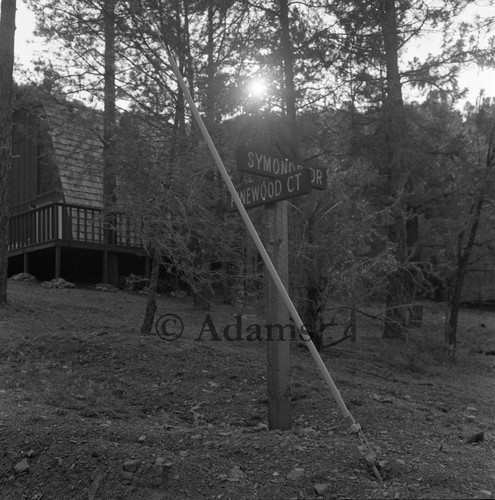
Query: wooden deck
(62,224)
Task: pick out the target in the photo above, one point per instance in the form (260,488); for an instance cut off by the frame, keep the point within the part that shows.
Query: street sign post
(279,391)
(353,428)
(283,179)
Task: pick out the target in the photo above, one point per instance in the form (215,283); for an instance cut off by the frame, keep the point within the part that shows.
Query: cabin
(57,226)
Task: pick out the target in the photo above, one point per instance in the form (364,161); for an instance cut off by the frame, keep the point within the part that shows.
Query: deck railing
(76,223)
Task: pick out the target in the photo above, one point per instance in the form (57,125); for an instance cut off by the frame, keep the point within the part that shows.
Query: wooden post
(278,350)
(25,262)
(58,261)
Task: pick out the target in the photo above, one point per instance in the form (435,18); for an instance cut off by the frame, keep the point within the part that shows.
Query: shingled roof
(76,133)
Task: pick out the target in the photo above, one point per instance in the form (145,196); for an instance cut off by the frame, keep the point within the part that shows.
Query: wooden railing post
(60,222)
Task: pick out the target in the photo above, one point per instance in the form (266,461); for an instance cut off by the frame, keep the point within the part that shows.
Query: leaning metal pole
(353,428)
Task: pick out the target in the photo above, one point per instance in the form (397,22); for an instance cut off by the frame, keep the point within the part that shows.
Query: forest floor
(90,409)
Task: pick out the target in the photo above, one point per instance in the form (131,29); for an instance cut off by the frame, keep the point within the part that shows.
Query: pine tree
(375,34)
(7,32)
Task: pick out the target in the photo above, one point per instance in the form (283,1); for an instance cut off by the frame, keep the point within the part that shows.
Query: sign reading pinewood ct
(274,189)
(268,165)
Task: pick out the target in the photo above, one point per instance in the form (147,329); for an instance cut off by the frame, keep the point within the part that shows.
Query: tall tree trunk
(7,35)
(314,289)
(178,138)
(289,94)
(109,127)
(186,50)
(211,94)
(403,234)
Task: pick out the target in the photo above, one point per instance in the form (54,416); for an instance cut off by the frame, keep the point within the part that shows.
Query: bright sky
(475,79)
(25,44)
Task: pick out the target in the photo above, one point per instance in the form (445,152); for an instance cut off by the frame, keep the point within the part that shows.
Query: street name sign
(274,189)
(259,163)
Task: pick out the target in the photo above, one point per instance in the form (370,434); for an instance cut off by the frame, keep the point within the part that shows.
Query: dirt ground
(89,409)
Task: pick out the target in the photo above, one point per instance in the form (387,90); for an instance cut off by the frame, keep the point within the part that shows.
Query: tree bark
(289,93)
(403,234)
(7,35)
(149,315)
(109,144)
(314,289)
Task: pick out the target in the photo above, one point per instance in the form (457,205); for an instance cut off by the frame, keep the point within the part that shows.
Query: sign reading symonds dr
(274,189)
(259,163)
